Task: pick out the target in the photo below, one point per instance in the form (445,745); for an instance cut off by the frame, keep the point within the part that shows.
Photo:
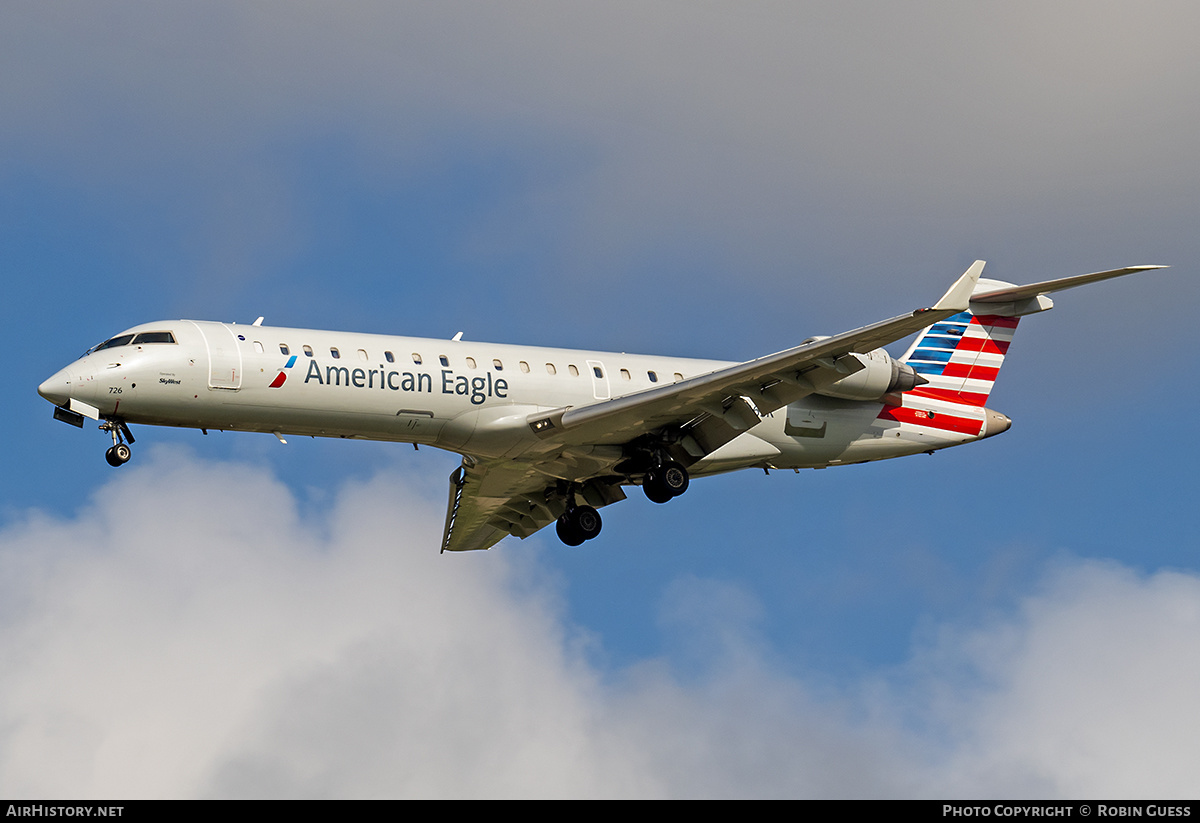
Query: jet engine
(880,374)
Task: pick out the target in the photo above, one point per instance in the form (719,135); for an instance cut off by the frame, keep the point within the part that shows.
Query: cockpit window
(154,337)
(122,340)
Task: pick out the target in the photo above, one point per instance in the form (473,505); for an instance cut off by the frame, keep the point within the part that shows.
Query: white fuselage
(463,396)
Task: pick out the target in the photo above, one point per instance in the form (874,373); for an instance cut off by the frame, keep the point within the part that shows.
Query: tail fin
(961,356)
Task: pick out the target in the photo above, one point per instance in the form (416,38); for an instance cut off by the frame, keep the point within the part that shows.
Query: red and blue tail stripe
(960,358)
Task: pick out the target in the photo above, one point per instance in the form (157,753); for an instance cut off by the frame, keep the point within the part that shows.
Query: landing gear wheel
(578,524)
(654,489)
(566,531)
(118,455)
(587,521)
(674,478)
(665,481)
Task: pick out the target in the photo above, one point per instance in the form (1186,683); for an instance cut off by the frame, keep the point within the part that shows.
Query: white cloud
(1091,690)
(194,632)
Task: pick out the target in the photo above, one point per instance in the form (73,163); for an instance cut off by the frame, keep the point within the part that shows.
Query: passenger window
(258,347)
(596,371)
(444,360)
(550,369)
(416,358)
(283,349)
(388,356)
(470,362)
(524,367)
(497,365)
(653,376)
(625,374)
(308,351)
(334,353)
(574,371)
(362,354)
(678,377)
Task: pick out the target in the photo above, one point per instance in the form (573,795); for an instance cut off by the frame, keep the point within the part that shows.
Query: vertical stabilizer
(961,356)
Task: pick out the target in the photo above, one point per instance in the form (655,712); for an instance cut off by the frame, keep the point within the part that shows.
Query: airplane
(552,435)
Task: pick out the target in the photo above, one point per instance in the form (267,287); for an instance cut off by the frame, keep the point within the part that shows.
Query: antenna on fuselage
(456,337)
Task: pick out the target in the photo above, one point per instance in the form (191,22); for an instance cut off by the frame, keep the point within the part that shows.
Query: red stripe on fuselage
(953,395)
(932,419)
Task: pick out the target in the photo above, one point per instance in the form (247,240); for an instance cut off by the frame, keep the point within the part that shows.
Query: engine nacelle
(881,374)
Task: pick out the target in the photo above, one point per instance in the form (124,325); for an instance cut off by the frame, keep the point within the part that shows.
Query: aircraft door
(418,425)
(224,355)
(600,389)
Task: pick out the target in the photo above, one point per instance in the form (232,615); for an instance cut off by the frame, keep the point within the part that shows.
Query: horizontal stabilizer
(1014,293)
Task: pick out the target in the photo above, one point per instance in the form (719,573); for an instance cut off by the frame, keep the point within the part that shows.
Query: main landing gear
(119,453)
(577,524)
(663,480)
(666,479)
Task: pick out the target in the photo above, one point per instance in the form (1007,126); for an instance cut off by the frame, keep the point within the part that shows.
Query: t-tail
(959,357)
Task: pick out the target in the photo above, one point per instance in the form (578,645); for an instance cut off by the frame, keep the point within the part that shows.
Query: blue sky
(1017,617)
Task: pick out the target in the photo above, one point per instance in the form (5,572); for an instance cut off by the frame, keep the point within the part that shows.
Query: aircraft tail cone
(995,423)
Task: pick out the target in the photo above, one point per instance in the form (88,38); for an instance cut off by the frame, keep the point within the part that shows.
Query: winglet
(958,298)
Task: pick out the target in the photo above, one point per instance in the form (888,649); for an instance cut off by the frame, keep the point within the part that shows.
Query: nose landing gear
(119,453)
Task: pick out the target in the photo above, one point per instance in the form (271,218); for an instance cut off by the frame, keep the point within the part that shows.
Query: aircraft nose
(57,389)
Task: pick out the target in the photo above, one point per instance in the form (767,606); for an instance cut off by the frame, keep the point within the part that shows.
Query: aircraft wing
(581,447)
(471,505)
(712,408)
(491,499)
